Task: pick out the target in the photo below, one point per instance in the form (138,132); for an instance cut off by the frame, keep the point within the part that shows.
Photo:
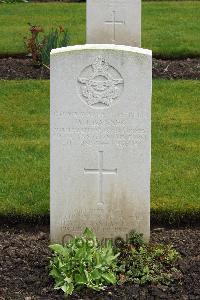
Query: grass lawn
(24,147)
(169,28)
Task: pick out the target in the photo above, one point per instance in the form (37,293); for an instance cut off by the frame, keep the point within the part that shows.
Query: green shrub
(135,238)
(143,263)
(83,262)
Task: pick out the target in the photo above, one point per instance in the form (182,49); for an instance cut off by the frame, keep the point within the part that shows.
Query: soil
(24,268)
(23,68)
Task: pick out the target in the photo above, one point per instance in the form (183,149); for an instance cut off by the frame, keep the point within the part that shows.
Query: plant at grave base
(135,238)
(83,262)
(143,263)
(40,44)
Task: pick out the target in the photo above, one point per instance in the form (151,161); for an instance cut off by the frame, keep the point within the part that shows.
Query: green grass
(169,28)
(175,148)
(24,147)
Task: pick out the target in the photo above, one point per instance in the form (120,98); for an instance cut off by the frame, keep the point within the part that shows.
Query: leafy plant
(83,262)
(40,44)
(143,263)
(135,238)
(55,39)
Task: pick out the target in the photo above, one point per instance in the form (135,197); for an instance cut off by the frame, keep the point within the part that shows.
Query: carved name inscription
(78,220)
(88,129)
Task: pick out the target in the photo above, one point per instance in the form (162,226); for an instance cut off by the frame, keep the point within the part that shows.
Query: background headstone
(114,22)
(100,140)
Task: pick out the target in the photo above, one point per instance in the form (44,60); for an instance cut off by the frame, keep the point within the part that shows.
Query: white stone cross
(114,22)
(100,171)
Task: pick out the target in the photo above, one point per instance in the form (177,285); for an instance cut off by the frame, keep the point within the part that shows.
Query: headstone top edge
(101,47)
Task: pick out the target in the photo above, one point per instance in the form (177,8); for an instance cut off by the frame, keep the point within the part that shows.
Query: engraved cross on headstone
(114,22)
(100,171)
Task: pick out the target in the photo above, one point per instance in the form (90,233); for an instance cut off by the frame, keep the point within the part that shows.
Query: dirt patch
(23,68)
(177,69)
(24,268)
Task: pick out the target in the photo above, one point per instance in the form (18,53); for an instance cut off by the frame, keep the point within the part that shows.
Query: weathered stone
(100,140)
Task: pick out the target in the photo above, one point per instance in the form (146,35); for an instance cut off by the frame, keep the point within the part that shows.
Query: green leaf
(60,264)
(89,234)
(68,279)
(80,279)
(70,288)
(67,288)
(95,274)
(86,275)
(109,277)
(57,248)
(60,250)
(58,285)
(64,288)
(54,273)
(146,270)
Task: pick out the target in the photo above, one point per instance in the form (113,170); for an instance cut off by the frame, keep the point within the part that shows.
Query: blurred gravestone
(114,22)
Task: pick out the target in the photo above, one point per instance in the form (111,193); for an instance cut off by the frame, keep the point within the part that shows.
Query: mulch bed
(24,268)
(23,68)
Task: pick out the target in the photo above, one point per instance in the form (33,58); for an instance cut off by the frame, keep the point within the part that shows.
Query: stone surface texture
(114,22)
(100,140)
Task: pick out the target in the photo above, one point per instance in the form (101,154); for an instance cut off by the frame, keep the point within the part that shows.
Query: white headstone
(114,22)
(100,140)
